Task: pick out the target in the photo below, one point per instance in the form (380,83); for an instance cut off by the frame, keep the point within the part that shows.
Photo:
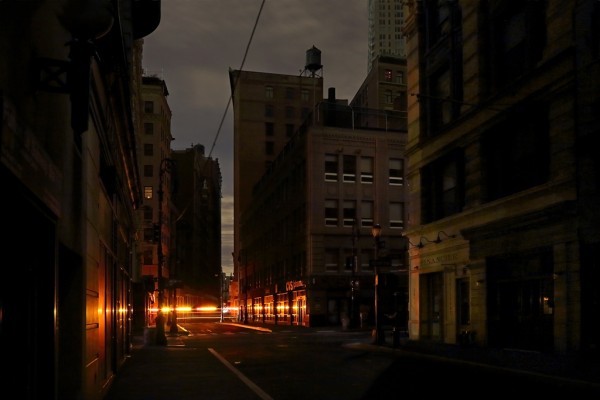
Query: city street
(225,361)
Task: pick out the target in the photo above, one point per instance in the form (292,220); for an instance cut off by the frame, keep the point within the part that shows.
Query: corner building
(308,257)
(503,184)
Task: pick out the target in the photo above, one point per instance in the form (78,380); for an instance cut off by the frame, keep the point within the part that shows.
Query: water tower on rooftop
(313,62)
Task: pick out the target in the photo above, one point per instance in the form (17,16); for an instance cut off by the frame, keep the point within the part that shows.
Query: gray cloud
(198,41)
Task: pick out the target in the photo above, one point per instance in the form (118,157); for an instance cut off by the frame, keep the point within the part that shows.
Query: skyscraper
(385,30)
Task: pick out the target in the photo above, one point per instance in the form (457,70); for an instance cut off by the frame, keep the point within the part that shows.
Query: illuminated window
(388,75)
(148,192)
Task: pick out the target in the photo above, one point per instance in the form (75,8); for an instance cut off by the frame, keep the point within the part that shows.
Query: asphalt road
(221,361)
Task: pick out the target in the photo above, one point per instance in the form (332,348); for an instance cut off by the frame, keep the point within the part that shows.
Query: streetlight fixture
(378,333)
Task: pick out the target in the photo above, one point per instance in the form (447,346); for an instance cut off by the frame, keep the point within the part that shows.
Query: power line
(236,81)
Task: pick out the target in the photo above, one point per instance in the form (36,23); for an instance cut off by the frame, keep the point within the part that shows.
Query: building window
(332,259)
(148,192)
(148,213)
(442,184)
(269,148)
(305,112)
(349,212)
(399,78)
(331,168)
(148,128)
(516,153)
(148,107)
(443,80)
(148,170)
(331,213)
(400,101)
(290,93)
(305,95)
(365,260)
(387,75)
(269,129)
(396,171)
(518,40)
(349,169)
(268,92)
(269,111)
(366,214)
(289,112)
(148,234)
(148,149)
(148,260)
(387,96)
(439,19)
(366,170)
(289,130)
(397,215)
(348,260)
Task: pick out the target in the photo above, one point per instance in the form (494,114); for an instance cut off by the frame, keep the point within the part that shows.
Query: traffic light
(156,232)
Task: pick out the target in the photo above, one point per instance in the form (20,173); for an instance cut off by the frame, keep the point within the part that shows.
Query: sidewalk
(559,366)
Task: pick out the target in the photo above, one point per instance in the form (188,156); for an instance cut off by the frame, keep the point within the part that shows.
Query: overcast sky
(197,42)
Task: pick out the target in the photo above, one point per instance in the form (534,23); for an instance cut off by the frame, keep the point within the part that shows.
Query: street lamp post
(353,282)
(173,328)
(161,339)
(378,333)
(220,277)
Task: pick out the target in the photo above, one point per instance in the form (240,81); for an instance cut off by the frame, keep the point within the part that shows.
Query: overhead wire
(236,81)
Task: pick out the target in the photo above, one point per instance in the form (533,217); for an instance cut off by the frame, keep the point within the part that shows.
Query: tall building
(71,190)
(385,37)
(196,265)
(156,169)
(504,184)
(381,100)
(268,109)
